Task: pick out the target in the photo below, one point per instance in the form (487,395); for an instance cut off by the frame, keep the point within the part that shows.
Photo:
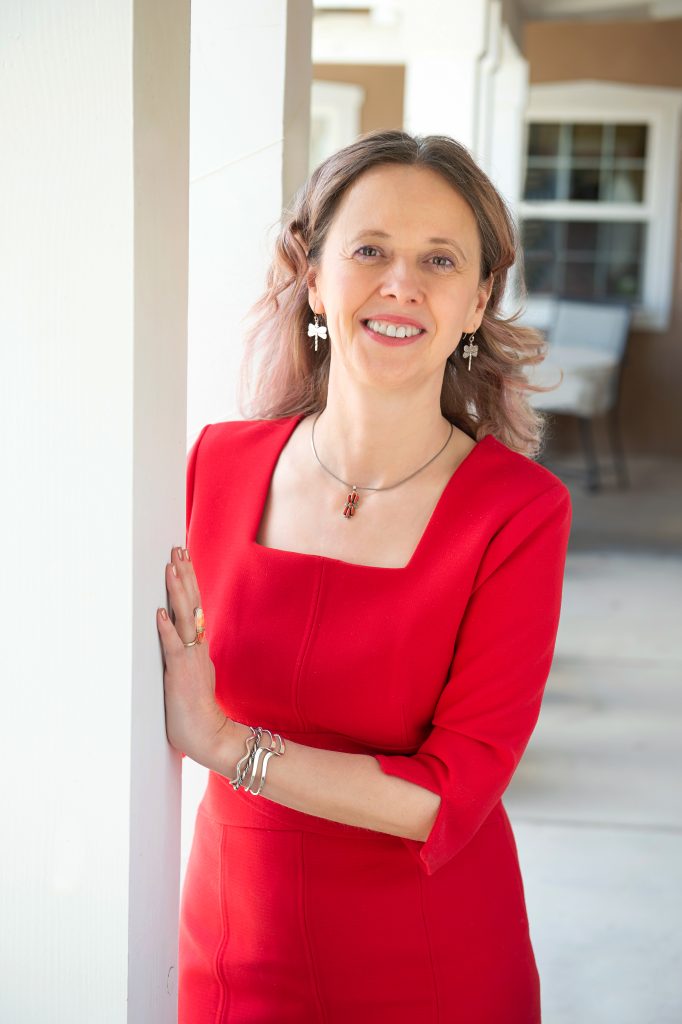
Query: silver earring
(317,330)
(470,349)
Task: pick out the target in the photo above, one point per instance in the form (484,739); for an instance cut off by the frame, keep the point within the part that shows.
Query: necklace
(353,498)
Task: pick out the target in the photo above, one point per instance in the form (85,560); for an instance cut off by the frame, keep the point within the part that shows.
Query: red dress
(437,669)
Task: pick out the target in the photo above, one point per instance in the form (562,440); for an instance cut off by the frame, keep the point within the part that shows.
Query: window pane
(624,282)
(543,140)
(585,184)
(580,280)
(631,140)
(541,183)
(625,238)
(539,236)
(582,236)
(540,276)
(587,140)
(621,185)
(584,259)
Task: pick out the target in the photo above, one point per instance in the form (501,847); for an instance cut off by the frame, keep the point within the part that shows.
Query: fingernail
(175,571)
(187,555)
(180,552)
(164,613)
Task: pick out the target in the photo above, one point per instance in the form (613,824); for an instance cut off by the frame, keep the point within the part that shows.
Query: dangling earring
(470,349)
(317,330)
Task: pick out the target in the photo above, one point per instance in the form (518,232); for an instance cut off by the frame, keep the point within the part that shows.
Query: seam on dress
(308,944)
(314,604)
(420,883)
(220,1017)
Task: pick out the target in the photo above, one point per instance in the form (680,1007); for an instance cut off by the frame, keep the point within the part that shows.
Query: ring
(199,629)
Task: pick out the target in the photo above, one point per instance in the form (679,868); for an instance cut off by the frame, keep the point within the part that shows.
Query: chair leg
(587,438)
(617,447)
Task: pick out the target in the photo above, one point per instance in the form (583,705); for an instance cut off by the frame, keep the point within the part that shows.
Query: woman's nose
(402,282)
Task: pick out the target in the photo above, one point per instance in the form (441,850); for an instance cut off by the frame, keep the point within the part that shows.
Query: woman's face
(403,252)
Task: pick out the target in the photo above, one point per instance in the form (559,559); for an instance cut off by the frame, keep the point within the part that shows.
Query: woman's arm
(349,788)
(436,798)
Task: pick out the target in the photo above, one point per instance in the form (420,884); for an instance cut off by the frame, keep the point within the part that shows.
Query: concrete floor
(596,803)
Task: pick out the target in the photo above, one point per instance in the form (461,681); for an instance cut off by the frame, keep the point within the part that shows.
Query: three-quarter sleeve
(491,700)
(190,477)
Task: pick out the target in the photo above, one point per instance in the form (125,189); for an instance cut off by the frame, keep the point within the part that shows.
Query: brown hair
(283,373)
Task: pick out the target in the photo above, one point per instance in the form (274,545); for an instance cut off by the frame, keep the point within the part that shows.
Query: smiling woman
(389,673)
(364,279)
(362,206)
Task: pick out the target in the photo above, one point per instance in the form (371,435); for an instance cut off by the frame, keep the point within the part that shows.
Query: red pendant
(351,503)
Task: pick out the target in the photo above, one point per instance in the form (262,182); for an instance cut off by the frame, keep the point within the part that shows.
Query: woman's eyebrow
(376,233)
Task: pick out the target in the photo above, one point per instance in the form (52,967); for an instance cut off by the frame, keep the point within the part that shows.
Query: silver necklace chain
(390,486)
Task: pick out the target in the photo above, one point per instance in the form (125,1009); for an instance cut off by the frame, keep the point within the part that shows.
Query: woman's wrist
(229,747)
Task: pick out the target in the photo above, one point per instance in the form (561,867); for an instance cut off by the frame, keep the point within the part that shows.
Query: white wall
(93,185)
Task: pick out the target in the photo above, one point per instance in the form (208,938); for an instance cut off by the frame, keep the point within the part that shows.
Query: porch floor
(596,803)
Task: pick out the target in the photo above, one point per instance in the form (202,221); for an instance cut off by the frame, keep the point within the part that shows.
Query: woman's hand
(195,724)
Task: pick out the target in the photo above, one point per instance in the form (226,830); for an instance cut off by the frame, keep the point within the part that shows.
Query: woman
(379,563)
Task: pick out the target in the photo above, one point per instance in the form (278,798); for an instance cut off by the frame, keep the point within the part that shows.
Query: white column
(93,263)
(444,42)
(487,68)
(298,76)
(508,123)
(251,73)
(250,101)
(508,139)
(465,77)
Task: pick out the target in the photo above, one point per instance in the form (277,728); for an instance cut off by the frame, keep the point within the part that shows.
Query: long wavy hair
(281,375)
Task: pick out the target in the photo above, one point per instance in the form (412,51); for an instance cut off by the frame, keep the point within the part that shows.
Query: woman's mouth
(388,333)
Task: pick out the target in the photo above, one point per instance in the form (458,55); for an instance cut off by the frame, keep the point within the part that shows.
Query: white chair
(588,342)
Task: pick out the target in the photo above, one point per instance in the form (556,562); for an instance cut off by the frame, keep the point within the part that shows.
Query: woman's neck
(376,447)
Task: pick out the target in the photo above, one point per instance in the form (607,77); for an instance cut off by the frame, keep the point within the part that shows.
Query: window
(600,195)
(594,162)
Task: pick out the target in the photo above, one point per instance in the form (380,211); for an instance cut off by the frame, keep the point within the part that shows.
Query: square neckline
(306,555)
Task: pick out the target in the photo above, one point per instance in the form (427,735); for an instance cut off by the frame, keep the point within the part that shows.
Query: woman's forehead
(404,199)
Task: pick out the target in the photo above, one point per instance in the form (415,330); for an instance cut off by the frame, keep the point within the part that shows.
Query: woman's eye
(446,264)
(371,251)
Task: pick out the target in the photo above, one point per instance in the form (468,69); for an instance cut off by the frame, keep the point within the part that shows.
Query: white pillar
(251,73)
(508,138)
(93,264)
(444,42)
(488,66)
(250,101)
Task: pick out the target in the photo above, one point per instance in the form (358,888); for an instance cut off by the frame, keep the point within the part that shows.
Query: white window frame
(611,103)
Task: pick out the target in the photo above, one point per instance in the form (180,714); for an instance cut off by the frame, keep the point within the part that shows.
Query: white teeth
(393,330)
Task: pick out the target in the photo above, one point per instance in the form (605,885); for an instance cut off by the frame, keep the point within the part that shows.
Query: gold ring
(199,629)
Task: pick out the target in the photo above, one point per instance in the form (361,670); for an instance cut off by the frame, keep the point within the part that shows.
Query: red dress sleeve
(491,701)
